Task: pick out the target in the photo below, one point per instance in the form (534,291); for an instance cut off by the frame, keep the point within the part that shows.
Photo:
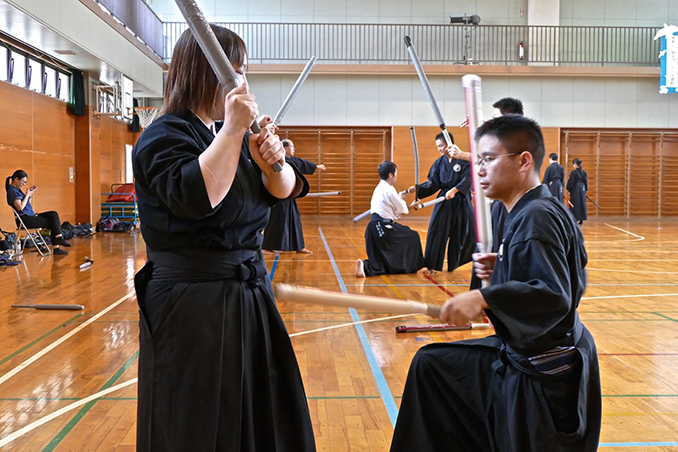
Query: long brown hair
(191,82)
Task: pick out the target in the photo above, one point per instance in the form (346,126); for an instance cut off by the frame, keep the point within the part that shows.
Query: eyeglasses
(23,181)
(487,161)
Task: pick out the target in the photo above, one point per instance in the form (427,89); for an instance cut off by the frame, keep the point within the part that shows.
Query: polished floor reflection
(67,378)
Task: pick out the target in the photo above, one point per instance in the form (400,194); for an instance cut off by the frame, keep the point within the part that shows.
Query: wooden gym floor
(67,378)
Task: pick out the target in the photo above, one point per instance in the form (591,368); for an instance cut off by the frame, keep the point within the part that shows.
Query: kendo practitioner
(507,106)
(578,185)
(554,177)
(451,220)
(284,231)
(217,371)
(391,247)
(534,386)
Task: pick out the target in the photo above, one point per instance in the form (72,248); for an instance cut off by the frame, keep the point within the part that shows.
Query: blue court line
(658,444)
(273,267)
(386,396)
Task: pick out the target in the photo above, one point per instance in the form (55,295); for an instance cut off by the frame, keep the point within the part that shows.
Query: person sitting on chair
(21,202)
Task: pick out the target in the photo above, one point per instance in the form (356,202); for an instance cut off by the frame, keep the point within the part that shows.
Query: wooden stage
(67,378)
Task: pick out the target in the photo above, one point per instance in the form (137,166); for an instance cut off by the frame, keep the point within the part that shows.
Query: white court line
(58,342)
(33,425)
(349,324)
(631,296)
(8,439)
(640,237)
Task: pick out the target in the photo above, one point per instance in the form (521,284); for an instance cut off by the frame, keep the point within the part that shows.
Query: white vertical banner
(669,59)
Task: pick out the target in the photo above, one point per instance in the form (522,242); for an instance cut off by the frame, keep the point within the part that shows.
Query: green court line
(83,411)
(663,316)
(29,345)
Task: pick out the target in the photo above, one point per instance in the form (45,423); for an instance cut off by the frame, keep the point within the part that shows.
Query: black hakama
(284,231)
(578,185)
(217,370)
(554,178)
(392,248)
(452,220)
(495,393)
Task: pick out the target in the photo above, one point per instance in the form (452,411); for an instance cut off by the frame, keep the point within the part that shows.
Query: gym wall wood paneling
(351,156)
(108,157)
(631,172)
(668,193)
(37,135)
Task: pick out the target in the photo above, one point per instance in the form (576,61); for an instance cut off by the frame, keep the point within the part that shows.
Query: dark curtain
(77,104)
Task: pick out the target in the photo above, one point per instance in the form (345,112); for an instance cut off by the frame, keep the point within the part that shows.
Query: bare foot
(305,251)
(268,252)
(429,271)
(359,269)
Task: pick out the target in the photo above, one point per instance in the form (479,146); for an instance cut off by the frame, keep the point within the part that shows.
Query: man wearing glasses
(535,384)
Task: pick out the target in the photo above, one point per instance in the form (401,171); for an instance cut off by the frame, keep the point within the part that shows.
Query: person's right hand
(320,166)
(484,264)
(415,204)
(31,190)
(240,110)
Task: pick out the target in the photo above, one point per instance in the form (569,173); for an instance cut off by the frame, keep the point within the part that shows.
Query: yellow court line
(33,425)
(60,341)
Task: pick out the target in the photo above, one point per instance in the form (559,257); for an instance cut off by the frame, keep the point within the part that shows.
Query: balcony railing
(440,44)
(138,17)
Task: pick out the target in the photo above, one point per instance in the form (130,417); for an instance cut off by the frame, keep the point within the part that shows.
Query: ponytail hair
(577,162)
(18,174)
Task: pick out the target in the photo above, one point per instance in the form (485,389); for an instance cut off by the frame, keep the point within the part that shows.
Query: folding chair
(35,237)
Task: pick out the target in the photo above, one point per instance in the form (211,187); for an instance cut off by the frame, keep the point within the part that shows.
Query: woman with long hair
(578,185)
(217,370)
(21,202)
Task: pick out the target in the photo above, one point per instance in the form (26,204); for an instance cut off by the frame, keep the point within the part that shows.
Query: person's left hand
(463,308)
(266,148)
(321,167)
(450,193)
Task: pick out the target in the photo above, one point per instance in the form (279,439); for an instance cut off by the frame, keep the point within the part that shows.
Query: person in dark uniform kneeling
(534,386)
(217,371)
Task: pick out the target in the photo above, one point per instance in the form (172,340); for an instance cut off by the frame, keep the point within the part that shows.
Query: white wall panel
(400,100)
(589,103)
(395,99)
(329,100)
(362,99)
(621,107)
(652,106)
(557,98)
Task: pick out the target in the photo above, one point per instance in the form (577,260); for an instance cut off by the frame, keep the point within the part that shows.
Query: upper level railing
(440,44)
(138,17)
